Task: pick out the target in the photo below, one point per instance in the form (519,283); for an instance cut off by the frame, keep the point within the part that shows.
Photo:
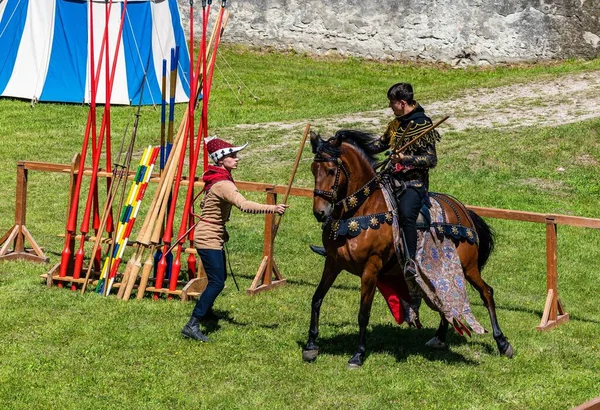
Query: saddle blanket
(440,281)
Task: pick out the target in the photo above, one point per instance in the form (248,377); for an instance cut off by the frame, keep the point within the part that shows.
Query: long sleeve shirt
(210,233)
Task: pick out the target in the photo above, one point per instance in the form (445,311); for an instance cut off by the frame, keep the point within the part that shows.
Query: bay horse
(342,166)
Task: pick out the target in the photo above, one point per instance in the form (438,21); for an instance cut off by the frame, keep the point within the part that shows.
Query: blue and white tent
(44,49)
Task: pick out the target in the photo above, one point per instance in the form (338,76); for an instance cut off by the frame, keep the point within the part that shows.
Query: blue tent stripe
(67,70)
(184,58)
(140,40)
(11,27)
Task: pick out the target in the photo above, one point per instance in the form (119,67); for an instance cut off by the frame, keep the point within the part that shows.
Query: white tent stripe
(120,94)
(161,43)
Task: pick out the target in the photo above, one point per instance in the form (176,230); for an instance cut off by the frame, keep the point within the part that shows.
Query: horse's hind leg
(330,273)
(487,296)
(439,340)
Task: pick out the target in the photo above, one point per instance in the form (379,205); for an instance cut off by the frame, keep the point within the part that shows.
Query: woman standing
(210,233)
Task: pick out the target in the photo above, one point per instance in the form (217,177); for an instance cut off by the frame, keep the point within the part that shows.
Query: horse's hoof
(355,362)
(436,343)
(310,355)
(509,352)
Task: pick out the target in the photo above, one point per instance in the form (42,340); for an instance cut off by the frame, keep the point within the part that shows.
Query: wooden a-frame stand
(264,277)
(554,313)
(19,233)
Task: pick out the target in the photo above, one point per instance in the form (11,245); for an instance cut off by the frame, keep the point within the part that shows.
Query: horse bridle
(331,196)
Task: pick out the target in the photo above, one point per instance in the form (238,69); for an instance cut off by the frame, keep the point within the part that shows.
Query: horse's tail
(486,239)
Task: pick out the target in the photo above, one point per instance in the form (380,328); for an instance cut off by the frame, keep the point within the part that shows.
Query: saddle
(442,212)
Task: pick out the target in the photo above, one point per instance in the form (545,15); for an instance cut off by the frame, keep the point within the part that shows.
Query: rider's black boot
(319,250)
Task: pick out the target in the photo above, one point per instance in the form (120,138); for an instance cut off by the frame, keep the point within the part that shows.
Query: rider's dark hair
(401,91)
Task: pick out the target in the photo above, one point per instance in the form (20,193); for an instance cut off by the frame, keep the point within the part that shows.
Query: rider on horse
(409,170)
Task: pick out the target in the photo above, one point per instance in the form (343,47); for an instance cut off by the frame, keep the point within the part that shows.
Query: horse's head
(330,172)
(348,151)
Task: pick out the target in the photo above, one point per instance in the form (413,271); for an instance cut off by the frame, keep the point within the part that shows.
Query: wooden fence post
(554,313)
(19,232)
(264,277)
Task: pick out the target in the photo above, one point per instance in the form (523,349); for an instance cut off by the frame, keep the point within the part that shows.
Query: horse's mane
(361,140)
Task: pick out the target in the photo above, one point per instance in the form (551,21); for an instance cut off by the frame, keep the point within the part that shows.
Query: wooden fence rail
(552,316)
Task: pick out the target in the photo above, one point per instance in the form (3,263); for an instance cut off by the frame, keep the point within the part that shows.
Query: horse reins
(352,201)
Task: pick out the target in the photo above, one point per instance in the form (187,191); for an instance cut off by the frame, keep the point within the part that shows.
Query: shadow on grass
(306,283)
(535,312)
(212,325)
(401,342)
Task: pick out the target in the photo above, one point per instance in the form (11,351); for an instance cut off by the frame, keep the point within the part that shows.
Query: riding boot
(319,250)
(410,266)
(192,330)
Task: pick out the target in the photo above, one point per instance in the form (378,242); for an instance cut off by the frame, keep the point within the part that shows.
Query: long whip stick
(421,135)
(413,141)
(292,176)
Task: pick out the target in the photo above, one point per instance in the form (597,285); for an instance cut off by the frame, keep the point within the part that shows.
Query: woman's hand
(281,208)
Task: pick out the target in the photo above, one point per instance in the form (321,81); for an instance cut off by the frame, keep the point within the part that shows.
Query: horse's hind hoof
(435,343)
(310,355)
(356,361)
(509,352)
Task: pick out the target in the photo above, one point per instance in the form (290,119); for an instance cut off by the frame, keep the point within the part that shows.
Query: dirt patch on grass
(555,187)
(586,160)
(549,102)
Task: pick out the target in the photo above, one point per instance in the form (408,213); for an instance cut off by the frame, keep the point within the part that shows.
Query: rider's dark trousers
(409,205)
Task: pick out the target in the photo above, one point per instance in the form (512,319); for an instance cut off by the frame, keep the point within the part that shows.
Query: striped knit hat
(218,148)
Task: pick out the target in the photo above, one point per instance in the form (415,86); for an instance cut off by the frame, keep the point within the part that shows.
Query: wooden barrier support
(264,277)
(554,313)
(19,233)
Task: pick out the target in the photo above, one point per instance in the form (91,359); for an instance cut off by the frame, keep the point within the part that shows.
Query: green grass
(59,349)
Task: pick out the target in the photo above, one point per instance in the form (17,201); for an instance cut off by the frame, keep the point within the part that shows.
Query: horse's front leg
(330,273)
(368,284)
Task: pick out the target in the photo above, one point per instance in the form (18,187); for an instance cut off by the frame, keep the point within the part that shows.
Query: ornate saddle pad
(440,280)
(432,208)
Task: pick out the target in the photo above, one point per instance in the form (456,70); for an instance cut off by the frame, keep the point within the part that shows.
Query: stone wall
(457,32)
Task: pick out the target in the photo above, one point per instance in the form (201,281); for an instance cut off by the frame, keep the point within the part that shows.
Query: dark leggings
(409,205)
(213,261)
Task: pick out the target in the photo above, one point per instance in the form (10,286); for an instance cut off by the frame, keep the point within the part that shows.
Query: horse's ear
(315,140)
(336,140)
